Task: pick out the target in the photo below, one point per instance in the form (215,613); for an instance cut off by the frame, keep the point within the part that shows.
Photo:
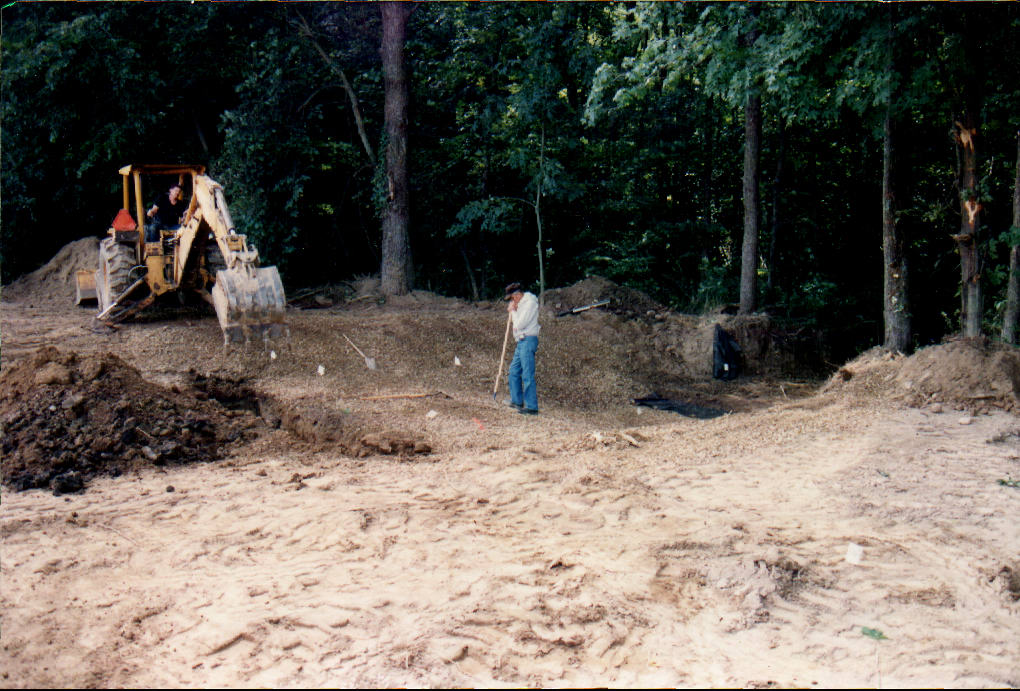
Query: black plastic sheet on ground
(686,409)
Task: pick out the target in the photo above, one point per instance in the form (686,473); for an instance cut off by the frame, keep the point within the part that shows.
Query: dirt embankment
(972,375)
(767,347)
(71,415)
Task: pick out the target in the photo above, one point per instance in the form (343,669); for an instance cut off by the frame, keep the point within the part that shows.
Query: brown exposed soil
(55,280)
(972,375)
(331,523)
(67,418)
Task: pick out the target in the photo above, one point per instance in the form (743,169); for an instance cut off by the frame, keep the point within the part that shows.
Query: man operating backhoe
(166,213)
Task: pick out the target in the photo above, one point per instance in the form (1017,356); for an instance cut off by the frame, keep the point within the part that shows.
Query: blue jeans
(522,374)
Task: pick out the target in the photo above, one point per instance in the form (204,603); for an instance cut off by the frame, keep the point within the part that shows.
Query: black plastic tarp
(725,355)
(687,409)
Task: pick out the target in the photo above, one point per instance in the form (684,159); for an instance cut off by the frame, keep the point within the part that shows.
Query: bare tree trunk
(967,239)
(749,251)
(896,309)
(1012,315)
(200,132)
(396,267)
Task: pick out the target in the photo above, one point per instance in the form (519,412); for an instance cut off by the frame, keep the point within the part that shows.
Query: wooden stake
(506,337)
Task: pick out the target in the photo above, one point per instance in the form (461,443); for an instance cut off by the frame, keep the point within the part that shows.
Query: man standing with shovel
(523,309)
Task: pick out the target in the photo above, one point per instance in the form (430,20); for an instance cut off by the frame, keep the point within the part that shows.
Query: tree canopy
(543,141)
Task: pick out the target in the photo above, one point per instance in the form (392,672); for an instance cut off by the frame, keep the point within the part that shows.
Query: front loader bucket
(85,287)
(249,304)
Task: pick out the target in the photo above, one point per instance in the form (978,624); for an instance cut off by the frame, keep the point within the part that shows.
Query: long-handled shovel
(499,372)
(369,361)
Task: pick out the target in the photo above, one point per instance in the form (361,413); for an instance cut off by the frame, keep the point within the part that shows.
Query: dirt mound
(70,417)
(974,375)
(624,301)
(968,374)
(767,347)
(364,292)
(56,279)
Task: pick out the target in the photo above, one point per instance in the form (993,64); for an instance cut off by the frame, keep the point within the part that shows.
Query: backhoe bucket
(250,304)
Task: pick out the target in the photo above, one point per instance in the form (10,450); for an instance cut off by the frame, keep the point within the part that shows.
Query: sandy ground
(594,545)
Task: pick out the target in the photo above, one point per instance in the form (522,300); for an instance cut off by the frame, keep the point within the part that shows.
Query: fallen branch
(301,294)
(403,395)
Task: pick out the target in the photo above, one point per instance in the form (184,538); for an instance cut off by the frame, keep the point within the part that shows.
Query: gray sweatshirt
(525,317)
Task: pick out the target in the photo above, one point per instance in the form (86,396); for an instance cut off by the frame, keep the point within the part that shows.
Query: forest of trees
(850,167)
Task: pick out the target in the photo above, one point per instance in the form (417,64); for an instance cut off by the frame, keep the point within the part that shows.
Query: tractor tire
(114,275)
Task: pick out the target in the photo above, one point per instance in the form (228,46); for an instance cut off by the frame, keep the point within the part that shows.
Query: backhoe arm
(249,300)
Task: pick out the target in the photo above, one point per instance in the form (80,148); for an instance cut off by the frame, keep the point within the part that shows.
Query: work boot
(517,406)
(527,411)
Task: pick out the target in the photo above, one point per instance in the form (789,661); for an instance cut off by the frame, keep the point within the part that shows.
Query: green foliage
(269,149)
(490,215)
(60,146)
(621,124)
(1011,237)
(716,288)
(814,296)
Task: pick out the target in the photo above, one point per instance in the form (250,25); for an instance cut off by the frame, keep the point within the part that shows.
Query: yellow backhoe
(205,256)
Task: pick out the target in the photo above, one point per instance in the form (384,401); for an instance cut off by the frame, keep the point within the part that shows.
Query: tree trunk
(966,130)
(967,240)
(396,267)
(897,309)
(749,252)
(1012,315)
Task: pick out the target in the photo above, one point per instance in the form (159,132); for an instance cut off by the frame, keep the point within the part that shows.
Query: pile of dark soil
(68,418)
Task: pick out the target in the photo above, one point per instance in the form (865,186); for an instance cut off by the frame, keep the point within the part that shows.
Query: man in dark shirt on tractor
(166,213)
